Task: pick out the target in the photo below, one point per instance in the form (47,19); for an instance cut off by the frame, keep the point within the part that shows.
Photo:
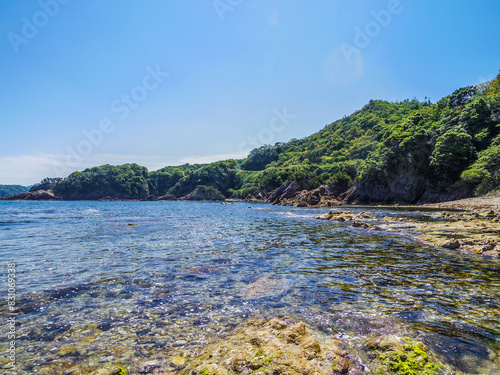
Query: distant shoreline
(490,201)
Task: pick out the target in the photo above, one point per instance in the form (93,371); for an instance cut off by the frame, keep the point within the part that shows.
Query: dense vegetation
(8,190)
(454,143)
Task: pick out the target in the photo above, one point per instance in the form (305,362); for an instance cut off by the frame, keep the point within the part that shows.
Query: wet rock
(148,366)
(340,364)
(278,324)
(294,333)
(311,347)
(452,244)
(202,270)
(270,346)
(162,293)
(365,226)
(487,246)
(344,216)
(402,355)
(492,253)
(389,342)
(111,370)
(311,344)
(265,286)
(399,219)
(490,214)
(179,343)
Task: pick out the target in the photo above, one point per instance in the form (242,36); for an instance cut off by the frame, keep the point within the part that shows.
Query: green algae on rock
(402,356)
(270,346)
(111,370)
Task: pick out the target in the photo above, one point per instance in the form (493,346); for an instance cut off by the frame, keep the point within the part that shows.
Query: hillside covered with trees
(8,190)
(406,152)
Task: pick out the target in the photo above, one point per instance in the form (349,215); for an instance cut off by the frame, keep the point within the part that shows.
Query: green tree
(453,153)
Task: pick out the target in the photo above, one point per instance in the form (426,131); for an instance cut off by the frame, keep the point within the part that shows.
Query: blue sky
(160,83)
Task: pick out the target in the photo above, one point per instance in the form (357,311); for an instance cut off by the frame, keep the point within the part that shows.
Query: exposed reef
(472,231)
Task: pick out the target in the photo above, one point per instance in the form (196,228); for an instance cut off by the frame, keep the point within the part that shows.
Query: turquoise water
(136,282)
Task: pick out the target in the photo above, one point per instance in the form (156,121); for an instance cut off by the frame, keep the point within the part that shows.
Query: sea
(86,284)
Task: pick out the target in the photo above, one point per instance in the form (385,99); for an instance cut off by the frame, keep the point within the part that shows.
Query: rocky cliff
(401,190)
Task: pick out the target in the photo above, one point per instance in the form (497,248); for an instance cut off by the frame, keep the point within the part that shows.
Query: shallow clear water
(135,282)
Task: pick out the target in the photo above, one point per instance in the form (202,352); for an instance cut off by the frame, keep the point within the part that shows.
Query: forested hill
(8,190)
(405,152)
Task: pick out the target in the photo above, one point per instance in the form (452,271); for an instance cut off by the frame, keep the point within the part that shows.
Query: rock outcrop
(110,370)
(272,346)
(299,194)
(398,190)
(402,355)
(344,216)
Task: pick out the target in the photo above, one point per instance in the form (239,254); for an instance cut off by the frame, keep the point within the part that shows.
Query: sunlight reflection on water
(109,282)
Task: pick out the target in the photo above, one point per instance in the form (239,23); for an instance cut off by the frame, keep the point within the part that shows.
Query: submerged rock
(265,286)
(463,232)
(452,244)
(149,366)
(270,346)
(344,216)
(402,355)
(177,361)
(111,370)
(365,226)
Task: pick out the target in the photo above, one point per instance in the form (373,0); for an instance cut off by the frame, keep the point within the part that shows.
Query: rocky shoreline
(474,226)
(403,190)
(475,231)
(280,345)
(40,194)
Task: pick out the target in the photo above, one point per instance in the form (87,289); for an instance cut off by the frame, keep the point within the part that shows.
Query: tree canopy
(454,141)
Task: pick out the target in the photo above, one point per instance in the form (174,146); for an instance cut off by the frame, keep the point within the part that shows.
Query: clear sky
(158,83)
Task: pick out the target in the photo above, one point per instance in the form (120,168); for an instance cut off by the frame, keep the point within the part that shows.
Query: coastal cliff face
(401,190)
